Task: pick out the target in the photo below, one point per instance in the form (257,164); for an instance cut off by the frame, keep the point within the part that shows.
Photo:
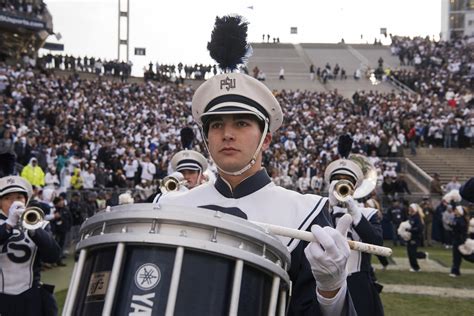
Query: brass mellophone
(32,218)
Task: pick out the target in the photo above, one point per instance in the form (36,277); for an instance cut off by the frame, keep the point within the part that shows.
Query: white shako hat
(188,160)
(236,93)
(13,184)
(344,167)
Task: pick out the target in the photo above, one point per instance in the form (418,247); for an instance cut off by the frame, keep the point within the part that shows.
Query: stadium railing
(400,85)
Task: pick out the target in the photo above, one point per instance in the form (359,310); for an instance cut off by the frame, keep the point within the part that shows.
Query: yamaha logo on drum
(147,276)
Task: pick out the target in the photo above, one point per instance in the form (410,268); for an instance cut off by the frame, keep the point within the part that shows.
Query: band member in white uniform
(366,227)
(188,165)
(238,115)
(21,292)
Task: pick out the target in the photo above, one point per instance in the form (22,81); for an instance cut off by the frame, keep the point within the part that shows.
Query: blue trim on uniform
(246,187)
(307,217)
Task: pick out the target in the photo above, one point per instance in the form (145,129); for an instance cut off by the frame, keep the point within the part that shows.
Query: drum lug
(183,233)
(264,251)
(218,214)
(124,229)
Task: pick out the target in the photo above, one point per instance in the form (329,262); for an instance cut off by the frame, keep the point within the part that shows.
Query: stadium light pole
(125,14)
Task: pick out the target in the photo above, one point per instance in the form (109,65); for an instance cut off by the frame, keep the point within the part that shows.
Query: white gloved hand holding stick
(328,254)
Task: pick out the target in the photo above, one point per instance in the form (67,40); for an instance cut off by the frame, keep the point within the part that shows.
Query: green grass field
(411,304)
(437,252)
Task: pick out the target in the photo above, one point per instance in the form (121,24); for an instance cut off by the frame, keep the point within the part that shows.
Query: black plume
(228,45)
(187,137)
(344,145)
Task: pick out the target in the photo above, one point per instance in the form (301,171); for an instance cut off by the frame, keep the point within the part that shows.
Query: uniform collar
(246,187)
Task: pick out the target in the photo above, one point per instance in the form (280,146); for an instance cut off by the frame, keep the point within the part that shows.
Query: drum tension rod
(103,229)
(214,235)
(153,229)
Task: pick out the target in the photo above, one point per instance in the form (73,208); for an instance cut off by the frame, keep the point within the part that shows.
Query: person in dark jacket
(459,226)
(61,224)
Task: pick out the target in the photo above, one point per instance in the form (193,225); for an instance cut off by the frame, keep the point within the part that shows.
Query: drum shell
(212,241)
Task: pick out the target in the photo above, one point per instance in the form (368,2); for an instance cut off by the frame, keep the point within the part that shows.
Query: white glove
(328,255)
(354,210)
(332,199)
(14,213)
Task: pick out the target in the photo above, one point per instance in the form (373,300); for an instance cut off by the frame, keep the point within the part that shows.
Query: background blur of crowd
(27,7)
(85,141)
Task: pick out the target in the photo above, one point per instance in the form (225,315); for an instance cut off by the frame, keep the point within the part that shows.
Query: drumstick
(307,236)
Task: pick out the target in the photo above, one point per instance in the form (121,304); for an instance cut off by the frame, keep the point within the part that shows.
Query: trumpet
(32,218)
(173,182)
(357,168)
(343,189)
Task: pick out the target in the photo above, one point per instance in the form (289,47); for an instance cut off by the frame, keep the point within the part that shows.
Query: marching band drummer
(237,126)
(238,115)
(366,227)
(21,292)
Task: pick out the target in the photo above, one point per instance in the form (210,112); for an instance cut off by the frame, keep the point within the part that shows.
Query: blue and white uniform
(21,292)
(257,198)
(360,280)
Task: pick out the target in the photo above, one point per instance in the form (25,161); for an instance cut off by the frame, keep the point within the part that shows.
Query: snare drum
(147,259)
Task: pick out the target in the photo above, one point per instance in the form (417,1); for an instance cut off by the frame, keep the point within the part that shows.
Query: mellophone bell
(164,260)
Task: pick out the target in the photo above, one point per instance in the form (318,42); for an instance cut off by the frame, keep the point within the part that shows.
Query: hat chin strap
(251,162)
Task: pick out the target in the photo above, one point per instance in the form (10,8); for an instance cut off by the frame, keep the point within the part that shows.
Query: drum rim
(227,222)
(107,240)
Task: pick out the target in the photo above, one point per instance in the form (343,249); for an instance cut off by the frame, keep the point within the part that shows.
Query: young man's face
(233,140)
(7,200)
(191,176)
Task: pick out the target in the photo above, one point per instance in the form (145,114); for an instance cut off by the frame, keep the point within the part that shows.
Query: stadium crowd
(28,7)
(442,68)
(69,134)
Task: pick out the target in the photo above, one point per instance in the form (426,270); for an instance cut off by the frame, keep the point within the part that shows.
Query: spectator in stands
(22,150)
(281,75)
(90,204)
(454,184)
(400,185)
(51,179)
(61,226)
(33,173)
(411,137)
(438,227)
(77,182)
(428,212)
(78,215)
(448,220)
(435,185)
(88,178)
(7,153)
(396,215)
